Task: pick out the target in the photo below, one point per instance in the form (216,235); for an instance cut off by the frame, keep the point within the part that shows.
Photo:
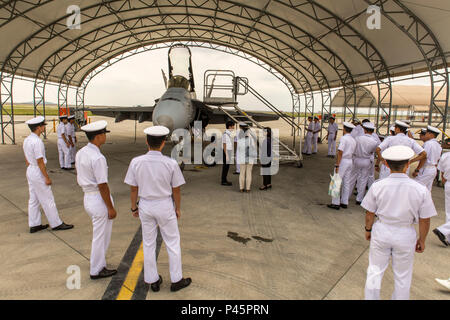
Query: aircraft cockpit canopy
(178,82)
(180,67)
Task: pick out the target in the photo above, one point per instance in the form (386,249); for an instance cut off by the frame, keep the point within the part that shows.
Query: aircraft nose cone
(166,121)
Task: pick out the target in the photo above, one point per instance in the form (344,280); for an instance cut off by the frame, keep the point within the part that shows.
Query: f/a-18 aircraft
(178,107)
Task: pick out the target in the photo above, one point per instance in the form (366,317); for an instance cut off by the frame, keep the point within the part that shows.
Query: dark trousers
(225,168)
(267,179)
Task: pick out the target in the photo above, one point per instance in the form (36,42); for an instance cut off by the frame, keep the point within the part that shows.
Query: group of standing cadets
(66,142)
(312,136)
(395,202)
(155,182)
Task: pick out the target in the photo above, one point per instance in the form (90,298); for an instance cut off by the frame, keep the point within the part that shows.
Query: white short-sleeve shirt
(155,175)
(444,165)
(61,129)
(347,145)
(92,168)
(399,200)
(333,129)
(376,138)
(226,139)
(400,139)
(71,129)
(34,149)
(365,146)
(316,127)
(434,151)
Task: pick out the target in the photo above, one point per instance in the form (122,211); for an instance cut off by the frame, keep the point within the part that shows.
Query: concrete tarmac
(283,243)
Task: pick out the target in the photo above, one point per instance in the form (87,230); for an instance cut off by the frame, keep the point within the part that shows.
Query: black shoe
(155,285)
(333,206)
(69,169)
(441,237)
(358,203)
(226,183)
(105,273)
(63,226)
(236,173)
(344,206)
(38,228)
(73,163)
(183,283)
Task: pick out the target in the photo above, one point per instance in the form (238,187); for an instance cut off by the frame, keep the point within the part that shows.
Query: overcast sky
(138,80)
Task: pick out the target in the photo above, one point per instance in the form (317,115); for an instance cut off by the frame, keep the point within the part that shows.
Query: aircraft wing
(219,117)
(139,113)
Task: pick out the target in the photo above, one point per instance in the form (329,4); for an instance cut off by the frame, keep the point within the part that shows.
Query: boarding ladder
(240,86)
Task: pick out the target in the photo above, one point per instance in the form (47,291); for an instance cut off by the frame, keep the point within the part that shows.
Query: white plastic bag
(335,185)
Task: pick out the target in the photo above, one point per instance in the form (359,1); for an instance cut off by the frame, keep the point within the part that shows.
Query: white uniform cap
(407,121)
(71,117)
(369,125)
(95,126)
(349,125)
(157,131)
(243,124)
(36,120)
(64,116)
(392,129)
(356,120)
(401,124)
(398,153)
(433,129)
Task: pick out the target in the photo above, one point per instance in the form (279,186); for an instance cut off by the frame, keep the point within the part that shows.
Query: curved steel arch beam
(357,41)
(430,48)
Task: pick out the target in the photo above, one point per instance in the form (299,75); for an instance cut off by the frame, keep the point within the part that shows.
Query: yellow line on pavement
(127,290)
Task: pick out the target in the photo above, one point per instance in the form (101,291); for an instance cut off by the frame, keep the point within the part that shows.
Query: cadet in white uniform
(38,180)
(363,160)
(63,144)
(92,176)
(400,139)
(443,232)
(344,164)
(433,149)
(331,137)
(399,202)
(317,127)
(73,138)
(156,179)
(371,178)
(307,146)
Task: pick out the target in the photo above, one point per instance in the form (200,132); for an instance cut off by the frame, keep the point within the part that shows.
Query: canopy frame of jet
(315,45)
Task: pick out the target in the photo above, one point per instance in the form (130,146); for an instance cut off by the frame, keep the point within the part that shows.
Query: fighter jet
(179,107)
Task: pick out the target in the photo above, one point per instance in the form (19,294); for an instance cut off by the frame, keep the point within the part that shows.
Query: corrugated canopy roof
(314,44)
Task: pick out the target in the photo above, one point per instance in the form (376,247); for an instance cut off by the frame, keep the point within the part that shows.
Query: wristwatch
(368,230)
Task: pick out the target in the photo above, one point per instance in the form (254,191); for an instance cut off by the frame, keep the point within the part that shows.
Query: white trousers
(371,178)
(41,195)
(73,152)
(345,172)
(445,228)
(426,176)
(238,166)
(314,142)
(245,176)
(388,242)
(331,144)
(160,213)
(307,146)
(64,154)
(360,175)
(101,230)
